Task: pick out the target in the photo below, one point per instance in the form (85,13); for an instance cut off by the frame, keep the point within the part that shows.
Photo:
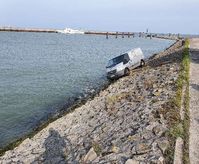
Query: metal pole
(107,35)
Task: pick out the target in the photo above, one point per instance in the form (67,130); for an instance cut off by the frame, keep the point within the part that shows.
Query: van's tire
(142,63)
(126,72)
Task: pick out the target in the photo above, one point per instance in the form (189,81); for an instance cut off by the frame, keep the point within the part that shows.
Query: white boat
(70,31)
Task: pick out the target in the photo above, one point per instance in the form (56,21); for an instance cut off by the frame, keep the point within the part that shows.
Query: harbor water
(41,72)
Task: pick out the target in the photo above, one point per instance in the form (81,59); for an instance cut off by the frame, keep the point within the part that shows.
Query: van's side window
(126,58)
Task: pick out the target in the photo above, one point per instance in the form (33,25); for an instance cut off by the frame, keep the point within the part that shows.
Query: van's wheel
(142,63)
(126,72)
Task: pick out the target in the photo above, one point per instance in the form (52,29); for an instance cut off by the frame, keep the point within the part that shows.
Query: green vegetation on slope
(186,121)
(178,127)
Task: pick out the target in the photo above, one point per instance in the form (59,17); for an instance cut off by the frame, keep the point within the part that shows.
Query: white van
(121,65)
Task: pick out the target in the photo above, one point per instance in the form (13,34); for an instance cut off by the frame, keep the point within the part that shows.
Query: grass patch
(172,115)
(177,131)
(178,127)
(113,99)
(186,121)
(97,148)
(186,125)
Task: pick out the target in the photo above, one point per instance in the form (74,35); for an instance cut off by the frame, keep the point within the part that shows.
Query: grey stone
(142,148)
(90,156)
(159,130)
(131,161)
(163,145)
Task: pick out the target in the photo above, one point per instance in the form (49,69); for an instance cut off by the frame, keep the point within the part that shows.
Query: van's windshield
(115,61)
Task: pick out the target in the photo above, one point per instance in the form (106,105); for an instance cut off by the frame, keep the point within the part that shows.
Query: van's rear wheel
(126,72)
(142,63)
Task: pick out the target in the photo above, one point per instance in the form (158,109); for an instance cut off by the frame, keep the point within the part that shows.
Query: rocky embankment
(125,123)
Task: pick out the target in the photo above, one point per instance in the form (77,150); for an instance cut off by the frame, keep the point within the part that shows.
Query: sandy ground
(194,101)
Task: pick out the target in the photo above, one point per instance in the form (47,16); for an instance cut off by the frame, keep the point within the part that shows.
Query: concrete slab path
(194,102)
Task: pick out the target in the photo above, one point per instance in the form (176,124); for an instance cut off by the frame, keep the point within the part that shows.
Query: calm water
(39,72)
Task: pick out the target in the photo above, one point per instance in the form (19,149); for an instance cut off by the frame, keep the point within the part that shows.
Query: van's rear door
(136,56)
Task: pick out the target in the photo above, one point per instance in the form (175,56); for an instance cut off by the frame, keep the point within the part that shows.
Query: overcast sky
(175,16)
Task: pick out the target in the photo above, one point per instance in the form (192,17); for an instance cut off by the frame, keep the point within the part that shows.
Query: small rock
(147,135)
(158,130)
(15,160)
(134,137)
(90,156)
(131,161)
(152,124)
(154,85)
(157,160)
(157,92)
(163,145)
(142,148)
(115,149)
(161,160)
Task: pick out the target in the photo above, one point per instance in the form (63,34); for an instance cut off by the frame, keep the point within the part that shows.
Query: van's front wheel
(126,72)
(142,63)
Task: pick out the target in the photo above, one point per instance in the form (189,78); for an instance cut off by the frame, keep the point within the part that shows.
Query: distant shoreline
(12,29)
(105,33)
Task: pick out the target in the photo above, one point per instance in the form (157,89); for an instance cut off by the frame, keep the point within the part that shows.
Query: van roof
(133,50)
